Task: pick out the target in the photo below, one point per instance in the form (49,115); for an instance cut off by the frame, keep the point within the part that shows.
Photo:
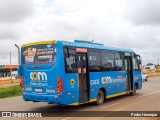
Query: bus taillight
(22,82)
(59,85)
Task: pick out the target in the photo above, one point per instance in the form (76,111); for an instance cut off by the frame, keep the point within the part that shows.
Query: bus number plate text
(38,90)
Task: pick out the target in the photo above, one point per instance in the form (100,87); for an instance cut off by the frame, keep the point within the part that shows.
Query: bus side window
(71,66)
(94,60)
(118,62)
(107,61)
(135,64)
(70,61)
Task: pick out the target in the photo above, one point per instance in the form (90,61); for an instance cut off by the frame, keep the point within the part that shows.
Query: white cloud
(12,11)
(106,21)
(142,12)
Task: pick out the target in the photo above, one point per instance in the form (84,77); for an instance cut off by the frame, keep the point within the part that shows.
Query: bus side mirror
(19,70)
(140,61)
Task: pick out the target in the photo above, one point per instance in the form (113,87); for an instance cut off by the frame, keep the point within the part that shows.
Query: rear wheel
(146,79)
(134,90)
(100,98)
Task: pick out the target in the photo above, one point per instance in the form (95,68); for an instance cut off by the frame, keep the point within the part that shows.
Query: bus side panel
(137,79)
(61,72)
(70,80)
(114,82)
(72,88)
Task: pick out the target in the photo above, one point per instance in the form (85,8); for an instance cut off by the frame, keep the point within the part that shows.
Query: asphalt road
(147,99)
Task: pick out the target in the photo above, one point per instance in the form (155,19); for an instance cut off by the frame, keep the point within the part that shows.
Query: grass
(10,91)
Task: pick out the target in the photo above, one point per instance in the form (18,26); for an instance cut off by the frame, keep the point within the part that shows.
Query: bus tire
(134,90)
(100,98)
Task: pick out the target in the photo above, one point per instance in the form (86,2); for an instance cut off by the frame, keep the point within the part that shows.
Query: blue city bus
(74,73)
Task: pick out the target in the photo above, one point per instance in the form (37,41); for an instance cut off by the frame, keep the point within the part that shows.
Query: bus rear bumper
(42,98)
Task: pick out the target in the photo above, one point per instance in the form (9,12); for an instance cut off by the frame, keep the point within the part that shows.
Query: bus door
(83,77)
(128,68)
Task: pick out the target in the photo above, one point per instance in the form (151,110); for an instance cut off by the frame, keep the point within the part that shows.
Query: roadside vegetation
(10,91)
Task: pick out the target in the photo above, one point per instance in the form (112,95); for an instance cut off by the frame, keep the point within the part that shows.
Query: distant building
(150,67)
(5,70)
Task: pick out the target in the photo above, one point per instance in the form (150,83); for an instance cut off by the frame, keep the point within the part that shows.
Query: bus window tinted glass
(118,62)
(94,61)
(111,61)
(70,61)
(107,61)
(135,64)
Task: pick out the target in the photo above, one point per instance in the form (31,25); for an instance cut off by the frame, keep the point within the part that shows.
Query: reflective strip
(76,103)
(92,100)
(114,95)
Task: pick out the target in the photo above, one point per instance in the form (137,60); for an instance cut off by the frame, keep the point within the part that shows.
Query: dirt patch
(152,74)
(9,81)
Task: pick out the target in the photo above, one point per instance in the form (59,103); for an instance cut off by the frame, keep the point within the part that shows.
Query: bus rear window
(40,54)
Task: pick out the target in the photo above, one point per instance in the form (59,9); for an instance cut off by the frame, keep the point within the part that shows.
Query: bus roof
(80,43)
(86,44)
(40,42)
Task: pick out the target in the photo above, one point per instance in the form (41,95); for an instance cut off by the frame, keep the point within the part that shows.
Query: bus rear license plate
(38,90)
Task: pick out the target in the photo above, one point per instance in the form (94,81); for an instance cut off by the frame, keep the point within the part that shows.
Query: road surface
(147,99)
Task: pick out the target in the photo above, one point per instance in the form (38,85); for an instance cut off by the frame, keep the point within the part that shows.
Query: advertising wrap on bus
(42,54)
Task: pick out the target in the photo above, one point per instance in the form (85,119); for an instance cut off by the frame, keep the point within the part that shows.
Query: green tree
(149,64)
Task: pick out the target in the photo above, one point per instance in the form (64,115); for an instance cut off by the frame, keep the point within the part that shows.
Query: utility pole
(11,67)
(158,61)
(19,64)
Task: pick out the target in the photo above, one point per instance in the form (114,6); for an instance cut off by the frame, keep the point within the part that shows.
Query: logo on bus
(38,76)
(72,82)
(105,79)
